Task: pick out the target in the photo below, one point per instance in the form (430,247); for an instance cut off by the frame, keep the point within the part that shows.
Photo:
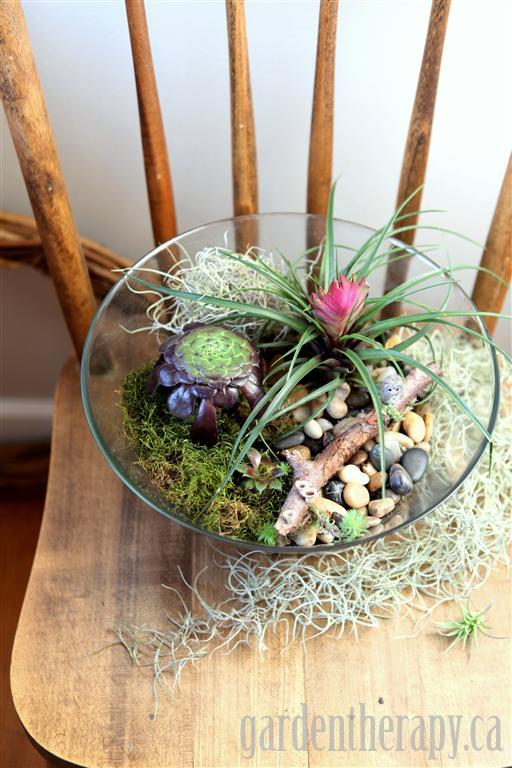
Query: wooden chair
(102,555)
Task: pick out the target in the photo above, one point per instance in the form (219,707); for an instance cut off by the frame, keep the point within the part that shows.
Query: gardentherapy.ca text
(361,731)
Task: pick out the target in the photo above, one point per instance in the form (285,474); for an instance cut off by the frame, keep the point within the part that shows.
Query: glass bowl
(111,353)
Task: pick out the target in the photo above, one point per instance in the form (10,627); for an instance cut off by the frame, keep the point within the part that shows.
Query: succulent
(340,306)
(207,366)
(261,472)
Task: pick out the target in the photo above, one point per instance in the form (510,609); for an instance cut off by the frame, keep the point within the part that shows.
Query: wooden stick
(310,476)
(154,146)
(28,120)
(322,116)
(243,142)
(418,140)
(488,294)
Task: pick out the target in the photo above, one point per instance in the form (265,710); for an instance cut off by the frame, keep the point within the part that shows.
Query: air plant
(337,328)
(261,473)
(466,628)
(352,525)
(210,365)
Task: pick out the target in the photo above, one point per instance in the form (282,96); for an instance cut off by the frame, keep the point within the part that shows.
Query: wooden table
(102,556)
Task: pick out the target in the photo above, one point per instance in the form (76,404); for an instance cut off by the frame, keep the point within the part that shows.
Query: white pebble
(404,441)
(355,495)
(325,424)
(337,408)
(352,474)
(326,506)
(313,429)
(368,469)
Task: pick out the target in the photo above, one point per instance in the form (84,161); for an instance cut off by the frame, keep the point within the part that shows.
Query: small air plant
(267,535)
(261,473)
(466,628)
(352,525)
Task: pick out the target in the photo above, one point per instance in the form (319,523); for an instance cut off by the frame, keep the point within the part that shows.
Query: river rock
(376,481)
(305,537)
(375,457)
(325,424)
(313,429)
(343,391)
(371,522)
(368,469)
(358,399)
(399,480)
(352,474)
(381,507)
(359,457)
(290,441)
(334,491)
(304,451)
(415,462)
(326,506)
(325,537)
(337,408)
(355,495)
(414,426)
(429,426)
(327,438)
(301,414)
(315,446)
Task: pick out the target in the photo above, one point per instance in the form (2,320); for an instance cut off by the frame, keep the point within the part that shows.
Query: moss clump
(187,474)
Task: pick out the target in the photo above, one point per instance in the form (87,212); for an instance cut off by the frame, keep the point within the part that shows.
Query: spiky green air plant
(206,365)
(353,525)
(261,473)
(466,628)
(339,307)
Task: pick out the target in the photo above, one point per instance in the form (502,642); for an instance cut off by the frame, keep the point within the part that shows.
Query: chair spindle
(489,294)
(33,139)
(154,145)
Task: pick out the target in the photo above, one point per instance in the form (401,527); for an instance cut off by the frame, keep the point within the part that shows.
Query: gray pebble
(327,438)
(290,441)
(358,399)
(375,457)
(334,491)
(415,462)
(399,480)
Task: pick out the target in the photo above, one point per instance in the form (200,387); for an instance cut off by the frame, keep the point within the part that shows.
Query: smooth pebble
(304,451)
(392,341)
(325,537)
(368,469)
(424,447)
(301,414)
(371,522)
(290,441)
(334,491)
(328,507)
(359,457)
(306,537)
(343,391)
(399,480)
(327,438)
(358,399)
(352,474)
(415,462)
(414,426)
(381,507)
(376,481)
(389,457)
(355,495)
(429,426)
(337,408)
(397,437)
(313,429)
(369,445)
(325,424)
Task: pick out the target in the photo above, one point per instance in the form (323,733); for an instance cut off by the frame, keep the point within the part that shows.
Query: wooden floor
(20,518)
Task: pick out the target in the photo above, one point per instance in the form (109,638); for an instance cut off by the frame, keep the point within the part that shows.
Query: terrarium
(251,380)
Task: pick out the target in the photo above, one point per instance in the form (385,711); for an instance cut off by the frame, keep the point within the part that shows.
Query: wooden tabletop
(102,556)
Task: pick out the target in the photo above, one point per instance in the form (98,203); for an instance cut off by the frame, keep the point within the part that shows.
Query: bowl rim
(258,546)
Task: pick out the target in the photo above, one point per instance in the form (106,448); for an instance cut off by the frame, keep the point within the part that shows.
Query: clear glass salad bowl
(111,352)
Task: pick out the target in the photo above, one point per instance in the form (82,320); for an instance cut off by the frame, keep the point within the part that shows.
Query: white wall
(83,54)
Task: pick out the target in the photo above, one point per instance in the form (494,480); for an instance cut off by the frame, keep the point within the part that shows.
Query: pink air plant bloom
(339,307)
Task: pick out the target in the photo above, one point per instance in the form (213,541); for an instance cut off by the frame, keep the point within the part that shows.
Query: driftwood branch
(310,476)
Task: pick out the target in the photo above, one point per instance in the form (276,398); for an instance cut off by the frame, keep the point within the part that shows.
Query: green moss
(188,474)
